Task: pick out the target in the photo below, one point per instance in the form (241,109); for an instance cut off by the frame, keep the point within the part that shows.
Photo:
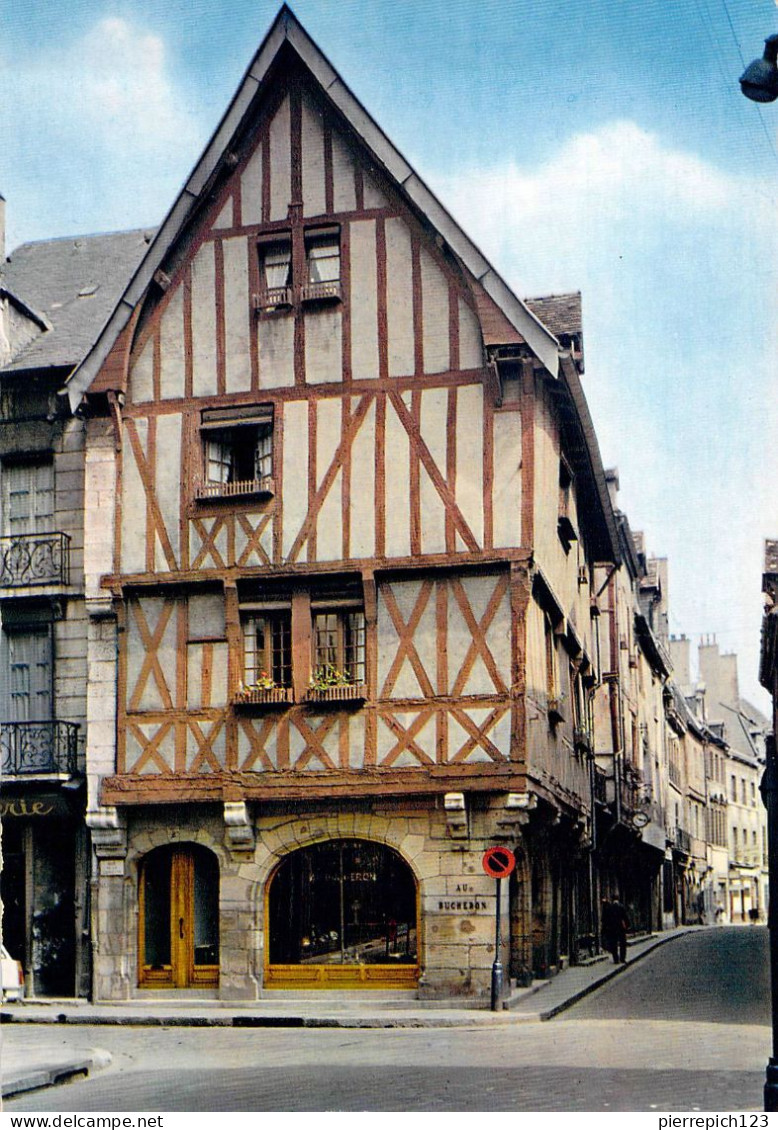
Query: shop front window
(344,903)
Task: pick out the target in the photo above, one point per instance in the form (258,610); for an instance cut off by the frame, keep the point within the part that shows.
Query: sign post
(497,862)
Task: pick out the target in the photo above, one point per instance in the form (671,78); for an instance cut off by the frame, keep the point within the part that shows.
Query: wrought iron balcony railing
(682,840)
(38,748)
(34,559)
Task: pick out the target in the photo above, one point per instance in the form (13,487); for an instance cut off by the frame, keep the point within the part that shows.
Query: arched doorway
(179,918)
(343,913)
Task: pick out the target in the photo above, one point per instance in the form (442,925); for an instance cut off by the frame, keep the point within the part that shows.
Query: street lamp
(769,790)
(759,80)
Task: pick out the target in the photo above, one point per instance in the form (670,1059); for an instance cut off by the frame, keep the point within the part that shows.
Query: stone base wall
(456,898)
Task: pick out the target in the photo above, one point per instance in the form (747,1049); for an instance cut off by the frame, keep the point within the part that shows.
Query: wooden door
(179,941)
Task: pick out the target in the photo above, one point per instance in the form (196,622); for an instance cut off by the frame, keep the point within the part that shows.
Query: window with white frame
(275,273)
(27,498)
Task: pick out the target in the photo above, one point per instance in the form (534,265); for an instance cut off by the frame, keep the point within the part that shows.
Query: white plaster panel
(471,353)
(506,496)
(399,298)
(275,343)
(313,161)
(142,374)
(133,506)
(219,662)
(150,609)
(171,368)
(168,480)
(251,189)
(323,345)
(435,320)
(362,497)
(470,456)
(343,191)
(364,301)
(434,409)
(204,321)
(372,194)
(280,163)
(295,482)
(424,739)
(214,736)
(225,217)
(100,487)
(245,748)
(165,749)
(398,515)
(237,361)
(458,736)
(329,528)
(356,741)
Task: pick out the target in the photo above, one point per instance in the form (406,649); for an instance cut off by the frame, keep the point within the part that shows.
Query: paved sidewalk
(50,1064)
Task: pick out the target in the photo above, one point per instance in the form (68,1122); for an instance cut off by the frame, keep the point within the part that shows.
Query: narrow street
(684,1029)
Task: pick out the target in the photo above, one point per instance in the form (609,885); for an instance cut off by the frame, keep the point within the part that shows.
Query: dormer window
(237,452)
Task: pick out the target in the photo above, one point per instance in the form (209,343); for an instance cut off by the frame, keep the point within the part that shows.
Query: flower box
(263,696)
(338,693)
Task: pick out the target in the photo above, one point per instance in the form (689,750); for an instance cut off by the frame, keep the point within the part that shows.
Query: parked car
(11,977)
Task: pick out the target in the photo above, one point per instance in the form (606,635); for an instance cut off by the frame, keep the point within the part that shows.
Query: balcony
(681,840)
(600,785)
(241,488)
(38,749)
(34,559)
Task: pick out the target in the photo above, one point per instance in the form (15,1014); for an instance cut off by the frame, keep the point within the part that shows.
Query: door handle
(180,927)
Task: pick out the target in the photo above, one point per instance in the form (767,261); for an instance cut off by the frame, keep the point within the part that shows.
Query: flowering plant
(327,675)
(263,682)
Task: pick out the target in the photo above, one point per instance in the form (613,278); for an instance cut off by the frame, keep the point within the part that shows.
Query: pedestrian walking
(615,923)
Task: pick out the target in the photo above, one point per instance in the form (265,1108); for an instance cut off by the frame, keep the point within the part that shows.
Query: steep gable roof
(287,32)
(70,288)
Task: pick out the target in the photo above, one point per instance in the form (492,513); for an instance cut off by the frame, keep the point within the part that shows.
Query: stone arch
(342,910)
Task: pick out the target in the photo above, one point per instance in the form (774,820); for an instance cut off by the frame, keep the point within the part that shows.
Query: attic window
(88,291)
(322,265)
(275,274)
(565,525)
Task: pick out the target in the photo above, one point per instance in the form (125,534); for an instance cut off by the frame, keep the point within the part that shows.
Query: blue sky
(600,145)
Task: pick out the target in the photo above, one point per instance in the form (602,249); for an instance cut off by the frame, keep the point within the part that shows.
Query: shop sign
(110,867)
(26,807)
(464,901)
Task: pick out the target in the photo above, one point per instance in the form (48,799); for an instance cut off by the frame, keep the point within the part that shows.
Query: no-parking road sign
(498,862)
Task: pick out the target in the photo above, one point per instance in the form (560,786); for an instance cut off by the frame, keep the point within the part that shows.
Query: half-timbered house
(343,503)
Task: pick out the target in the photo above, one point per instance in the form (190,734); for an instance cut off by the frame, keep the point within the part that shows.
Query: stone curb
(613,971)
(21,1080)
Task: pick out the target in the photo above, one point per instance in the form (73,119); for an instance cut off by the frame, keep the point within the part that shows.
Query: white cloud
(99,128)
(677,263)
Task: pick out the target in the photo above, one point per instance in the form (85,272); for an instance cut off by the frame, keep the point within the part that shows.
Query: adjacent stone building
(54,296)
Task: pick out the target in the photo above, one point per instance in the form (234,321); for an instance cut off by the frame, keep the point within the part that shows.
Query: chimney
(612,482)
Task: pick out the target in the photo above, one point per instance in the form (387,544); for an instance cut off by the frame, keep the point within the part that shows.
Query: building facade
(54,295)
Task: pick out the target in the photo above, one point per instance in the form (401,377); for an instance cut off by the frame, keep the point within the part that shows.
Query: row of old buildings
(313,587)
